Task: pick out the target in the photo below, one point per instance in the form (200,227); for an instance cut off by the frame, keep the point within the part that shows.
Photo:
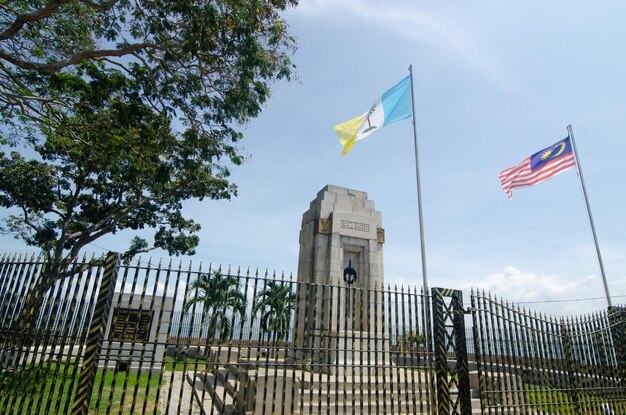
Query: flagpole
(570,133)
(426,291)
(419,189)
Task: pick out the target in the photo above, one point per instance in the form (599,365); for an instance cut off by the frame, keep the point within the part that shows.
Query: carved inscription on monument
(355,226)
(130,324)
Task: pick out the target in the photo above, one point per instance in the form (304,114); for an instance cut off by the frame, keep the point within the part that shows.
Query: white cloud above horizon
(440,28)
(556,294)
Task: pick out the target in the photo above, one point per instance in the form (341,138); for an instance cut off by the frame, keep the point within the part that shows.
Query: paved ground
(186,401)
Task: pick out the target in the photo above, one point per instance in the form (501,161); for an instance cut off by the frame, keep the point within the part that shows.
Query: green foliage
(275,303)
(220,299)
(548,400)
(124,110)
(122,168)
(49,387)
(131,108)
(411,342)
(208,62)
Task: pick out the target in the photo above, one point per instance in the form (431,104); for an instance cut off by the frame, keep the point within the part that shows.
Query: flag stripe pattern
(539,167)
(394,105)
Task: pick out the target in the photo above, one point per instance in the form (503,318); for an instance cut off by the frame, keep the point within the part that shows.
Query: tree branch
(82,56)
(22,19)
(88,239)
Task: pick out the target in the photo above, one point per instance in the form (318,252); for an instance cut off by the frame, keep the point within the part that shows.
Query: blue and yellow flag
(394,105)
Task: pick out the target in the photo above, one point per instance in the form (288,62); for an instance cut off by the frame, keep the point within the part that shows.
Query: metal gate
(530,363)
(451,365)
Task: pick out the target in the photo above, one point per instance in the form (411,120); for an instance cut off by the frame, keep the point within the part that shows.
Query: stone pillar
(340,226)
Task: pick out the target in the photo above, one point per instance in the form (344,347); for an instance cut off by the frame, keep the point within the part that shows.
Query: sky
(494,83)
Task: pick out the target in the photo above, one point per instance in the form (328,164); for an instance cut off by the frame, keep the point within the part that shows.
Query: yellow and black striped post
(95,337)
(450,316)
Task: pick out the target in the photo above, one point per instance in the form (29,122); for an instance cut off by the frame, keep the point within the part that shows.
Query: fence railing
(534,363)
(183,340)
(160,338)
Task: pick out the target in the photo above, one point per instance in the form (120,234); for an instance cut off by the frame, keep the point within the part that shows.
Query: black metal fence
(165,339)
(144,338)
(531,363)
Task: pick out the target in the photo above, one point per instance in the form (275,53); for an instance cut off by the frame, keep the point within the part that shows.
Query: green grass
(124,393)
(51,388)
(548,401)
(188,364)
(38,388)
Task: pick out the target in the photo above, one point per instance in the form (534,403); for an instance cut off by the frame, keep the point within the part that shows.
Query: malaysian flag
(539,167)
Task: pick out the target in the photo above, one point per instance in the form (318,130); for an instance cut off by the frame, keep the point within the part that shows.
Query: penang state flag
(394,105)
(539,167)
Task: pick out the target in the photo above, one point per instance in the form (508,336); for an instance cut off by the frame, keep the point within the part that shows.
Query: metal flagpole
(419,189)
(426,291)
(570,133)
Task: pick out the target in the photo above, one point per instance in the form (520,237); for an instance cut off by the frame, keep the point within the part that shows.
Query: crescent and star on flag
(549,153)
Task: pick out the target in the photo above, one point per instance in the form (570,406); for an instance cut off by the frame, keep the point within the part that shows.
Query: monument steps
(210,392)
(398,378)
(316,393)
(361,407)
(367,387)
(228,377)
(400,393)
(365,395)
(389,398)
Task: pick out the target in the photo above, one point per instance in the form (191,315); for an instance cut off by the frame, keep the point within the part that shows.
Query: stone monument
(340,230)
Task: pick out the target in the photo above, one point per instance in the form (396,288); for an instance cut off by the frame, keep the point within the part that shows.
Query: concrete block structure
(341,228)
(137,331)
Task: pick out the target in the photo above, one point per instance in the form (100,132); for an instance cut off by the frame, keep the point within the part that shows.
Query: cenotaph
(340,231)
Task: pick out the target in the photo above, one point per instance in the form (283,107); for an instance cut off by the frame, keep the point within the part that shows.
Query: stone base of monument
(250,386)
(350,352)
(361,353)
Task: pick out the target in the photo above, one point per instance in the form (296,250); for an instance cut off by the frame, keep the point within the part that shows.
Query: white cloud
(436,27)
(553,294)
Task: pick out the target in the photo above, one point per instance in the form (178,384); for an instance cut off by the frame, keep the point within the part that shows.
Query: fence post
(617,321)
(95,336)
(459,375)
(571,364)
(460,350)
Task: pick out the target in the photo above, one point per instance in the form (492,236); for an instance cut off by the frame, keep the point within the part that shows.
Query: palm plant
(411,342)
(275,303)
(218,294)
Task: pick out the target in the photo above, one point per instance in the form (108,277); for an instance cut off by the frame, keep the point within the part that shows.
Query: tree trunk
(25,334)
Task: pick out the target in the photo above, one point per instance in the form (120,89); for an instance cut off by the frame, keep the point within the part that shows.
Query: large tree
(207,61)
(124,168)
(122,110)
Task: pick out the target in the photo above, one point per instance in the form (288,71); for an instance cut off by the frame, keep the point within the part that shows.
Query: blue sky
(494,83)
